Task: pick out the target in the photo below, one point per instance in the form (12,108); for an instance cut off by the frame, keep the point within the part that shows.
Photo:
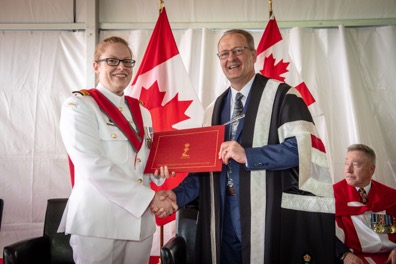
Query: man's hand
(351,258)
(232,150)
(392,257)
(164,203)
(167,194)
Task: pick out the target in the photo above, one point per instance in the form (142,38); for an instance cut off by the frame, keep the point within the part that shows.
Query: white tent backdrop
(351,72)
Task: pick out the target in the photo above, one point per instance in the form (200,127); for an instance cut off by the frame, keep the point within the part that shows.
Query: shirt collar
(117,100)
(366,188)
(244,91)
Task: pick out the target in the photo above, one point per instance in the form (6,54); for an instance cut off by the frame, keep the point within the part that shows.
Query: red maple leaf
(274,71)
(163,116)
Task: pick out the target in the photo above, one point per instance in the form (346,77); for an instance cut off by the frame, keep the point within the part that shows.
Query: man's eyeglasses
(129,63)
(236,51)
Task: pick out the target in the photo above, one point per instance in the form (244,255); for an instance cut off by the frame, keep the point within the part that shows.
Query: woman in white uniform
(108,212)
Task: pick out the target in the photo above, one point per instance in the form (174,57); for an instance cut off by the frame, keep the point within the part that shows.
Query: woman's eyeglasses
(129,63)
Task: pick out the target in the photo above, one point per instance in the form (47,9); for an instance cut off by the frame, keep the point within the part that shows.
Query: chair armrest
(174,251)
(34,250)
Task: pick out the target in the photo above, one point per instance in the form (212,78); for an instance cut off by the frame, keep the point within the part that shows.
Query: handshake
(163,203)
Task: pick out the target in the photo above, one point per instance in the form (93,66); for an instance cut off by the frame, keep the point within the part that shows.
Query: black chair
(180,249)
(52,247)
(1,210)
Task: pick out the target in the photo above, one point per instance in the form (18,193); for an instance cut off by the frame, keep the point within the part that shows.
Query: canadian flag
(273,61)
(164,87)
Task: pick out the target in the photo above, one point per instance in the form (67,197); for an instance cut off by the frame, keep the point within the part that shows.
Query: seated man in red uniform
(365,211)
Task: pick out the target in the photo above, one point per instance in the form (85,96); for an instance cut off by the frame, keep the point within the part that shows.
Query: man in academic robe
(273,200)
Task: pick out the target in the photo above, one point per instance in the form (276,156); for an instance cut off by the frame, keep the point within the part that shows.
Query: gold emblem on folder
(184,155)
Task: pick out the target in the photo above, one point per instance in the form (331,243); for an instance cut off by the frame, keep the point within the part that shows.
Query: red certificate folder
(187,150)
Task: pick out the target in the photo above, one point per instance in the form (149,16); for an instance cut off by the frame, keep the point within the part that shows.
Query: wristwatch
(343,256)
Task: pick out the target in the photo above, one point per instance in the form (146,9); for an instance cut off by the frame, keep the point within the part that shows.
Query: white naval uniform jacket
(111,195)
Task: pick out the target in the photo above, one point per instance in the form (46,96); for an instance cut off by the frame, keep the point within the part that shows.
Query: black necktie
(363,196)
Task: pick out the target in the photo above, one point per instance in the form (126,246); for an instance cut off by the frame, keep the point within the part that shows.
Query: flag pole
(160,6)
(270,8)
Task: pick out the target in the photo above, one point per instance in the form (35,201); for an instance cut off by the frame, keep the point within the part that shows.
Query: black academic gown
(289,234)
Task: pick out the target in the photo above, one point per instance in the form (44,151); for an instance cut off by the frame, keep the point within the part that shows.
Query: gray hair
(364,148)
(249,38)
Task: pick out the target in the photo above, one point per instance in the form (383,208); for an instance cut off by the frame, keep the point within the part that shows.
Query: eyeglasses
(129,63)
(236,51)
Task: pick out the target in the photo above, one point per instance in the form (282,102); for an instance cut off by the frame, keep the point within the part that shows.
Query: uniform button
(140,180)
(114,135)
(120,108)
(138,160)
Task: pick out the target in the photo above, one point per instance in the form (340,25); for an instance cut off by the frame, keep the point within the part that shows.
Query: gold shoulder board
(81,92)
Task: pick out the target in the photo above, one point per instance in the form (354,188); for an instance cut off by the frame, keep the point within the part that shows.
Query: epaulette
(82,92)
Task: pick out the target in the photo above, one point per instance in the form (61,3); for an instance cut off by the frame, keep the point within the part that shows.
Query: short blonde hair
(101,47)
